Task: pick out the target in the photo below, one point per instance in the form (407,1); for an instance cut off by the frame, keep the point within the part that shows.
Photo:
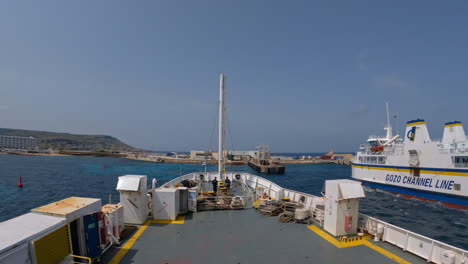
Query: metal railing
(424,247)
(81,257)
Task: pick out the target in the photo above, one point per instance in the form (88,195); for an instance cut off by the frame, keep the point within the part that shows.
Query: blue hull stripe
(418,193)
(407,168)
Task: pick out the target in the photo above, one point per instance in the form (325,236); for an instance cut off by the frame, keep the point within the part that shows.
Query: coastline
(164,159)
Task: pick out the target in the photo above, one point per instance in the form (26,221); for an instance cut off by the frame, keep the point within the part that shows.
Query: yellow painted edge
(379,168)
(339,244)
(457,124)
(124,249)
(179,220)
(326,236)
(416,123)
(351,239)
(386,253)
(81,257)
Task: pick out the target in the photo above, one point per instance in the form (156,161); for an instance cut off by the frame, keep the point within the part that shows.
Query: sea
(50,178)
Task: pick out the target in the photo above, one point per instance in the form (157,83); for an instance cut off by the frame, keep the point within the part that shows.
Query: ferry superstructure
(415,166)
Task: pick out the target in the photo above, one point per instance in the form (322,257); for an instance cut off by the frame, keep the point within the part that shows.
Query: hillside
(66,141)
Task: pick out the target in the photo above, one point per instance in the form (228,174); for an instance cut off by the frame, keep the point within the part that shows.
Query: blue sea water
(48,179)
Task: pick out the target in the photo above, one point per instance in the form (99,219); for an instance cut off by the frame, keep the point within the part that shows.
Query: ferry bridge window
(373,159)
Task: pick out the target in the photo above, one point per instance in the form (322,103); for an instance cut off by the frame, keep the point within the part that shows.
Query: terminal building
(236,155)
(14,142)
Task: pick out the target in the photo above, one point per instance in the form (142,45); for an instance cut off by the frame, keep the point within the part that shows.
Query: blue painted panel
(91,229)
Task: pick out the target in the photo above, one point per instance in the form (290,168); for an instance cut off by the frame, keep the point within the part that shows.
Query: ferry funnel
(416,133)
(453,132)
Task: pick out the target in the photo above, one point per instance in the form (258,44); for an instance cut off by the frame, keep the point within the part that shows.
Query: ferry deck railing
(424,247)
(388,151)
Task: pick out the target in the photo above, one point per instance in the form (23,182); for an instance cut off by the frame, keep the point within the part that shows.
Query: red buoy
(20,183)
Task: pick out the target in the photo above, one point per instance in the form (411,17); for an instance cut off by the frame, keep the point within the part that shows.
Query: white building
(14,142)
(203,155)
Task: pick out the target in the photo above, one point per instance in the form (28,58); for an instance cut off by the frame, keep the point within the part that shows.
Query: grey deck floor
(245,236)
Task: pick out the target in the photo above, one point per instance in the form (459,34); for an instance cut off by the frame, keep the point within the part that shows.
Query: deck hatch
(351,190)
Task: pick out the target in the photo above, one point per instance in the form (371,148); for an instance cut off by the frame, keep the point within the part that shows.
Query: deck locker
(81,215)
(34,239)
(133,191)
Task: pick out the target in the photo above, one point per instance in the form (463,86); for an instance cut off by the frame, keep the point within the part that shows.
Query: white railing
(424,247)
(452,150)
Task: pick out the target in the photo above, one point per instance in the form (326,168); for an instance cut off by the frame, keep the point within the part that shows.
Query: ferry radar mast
(222,127)
(389,126)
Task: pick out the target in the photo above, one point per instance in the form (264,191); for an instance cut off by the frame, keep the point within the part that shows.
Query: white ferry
(415,166)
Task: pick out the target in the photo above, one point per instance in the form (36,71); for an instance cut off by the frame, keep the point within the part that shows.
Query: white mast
(389,126)
(222,129)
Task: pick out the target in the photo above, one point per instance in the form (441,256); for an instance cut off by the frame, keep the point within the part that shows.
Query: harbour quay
(235,158)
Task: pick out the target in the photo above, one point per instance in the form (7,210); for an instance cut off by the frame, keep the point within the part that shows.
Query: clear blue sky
(302,75)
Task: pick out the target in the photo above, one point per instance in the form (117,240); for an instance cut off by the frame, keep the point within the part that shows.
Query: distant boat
(329,155)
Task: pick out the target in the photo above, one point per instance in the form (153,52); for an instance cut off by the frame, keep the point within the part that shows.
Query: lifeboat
(377,148)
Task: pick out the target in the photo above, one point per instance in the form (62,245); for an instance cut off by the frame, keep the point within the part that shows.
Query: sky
(302,76)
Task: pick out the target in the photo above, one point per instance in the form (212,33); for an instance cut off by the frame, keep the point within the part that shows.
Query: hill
(66,141)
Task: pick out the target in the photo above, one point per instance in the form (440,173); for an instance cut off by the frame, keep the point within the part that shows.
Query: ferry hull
(448,201)
(436,187)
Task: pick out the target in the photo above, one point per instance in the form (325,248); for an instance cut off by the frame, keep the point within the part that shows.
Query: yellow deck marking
(179,220)
(126,247)
(386,253)
(339,244)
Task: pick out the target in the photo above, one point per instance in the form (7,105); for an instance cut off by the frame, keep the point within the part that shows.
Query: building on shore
(14,142)
(203,155)
(262,152)
(241,155)
(235,155)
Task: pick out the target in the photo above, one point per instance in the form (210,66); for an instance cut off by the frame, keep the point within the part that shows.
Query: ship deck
(245,236)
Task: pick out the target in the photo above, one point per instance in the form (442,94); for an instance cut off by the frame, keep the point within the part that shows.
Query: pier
(267,166)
